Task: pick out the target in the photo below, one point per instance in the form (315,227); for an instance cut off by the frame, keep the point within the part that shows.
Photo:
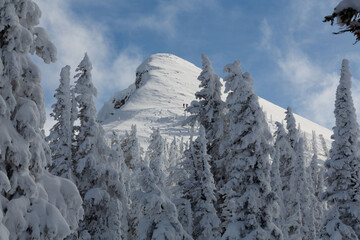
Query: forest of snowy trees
(233,180)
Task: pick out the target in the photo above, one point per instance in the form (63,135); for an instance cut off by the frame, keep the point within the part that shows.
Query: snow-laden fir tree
(181,182)
(343,189)
(293,133)
(34,203)
(201,194)
(307,148)
(97,181)
(60,137)
(287,157)
(276,182)
(73,118)
(174,159)
(296,222)
(299,184)
(316,184)
(174,154)
(248,205)
(117,161)
(159,218)
(334,228)
(208,111)
(157,157)
(324,146)
(185,214)
(131,148)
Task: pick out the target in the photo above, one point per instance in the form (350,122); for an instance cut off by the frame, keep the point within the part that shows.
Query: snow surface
(168,82)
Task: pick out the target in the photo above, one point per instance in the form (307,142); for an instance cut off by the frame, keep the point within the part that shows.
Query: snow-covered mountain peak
(163,86)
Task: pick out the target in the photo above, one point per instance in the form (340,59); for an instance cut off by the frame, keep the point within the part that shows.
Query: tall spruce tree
(174,154)
(117,161)
(157,157)
(159,217)
(60,137)
(202,197)
(324,146)
(316,184)
(73,118)
(131,148)
(248,204)
(208,111)
(276,182)
(343,189)
(298,200)
(293,133)
(97,181)
(182,184)
(34,203)
(299,184)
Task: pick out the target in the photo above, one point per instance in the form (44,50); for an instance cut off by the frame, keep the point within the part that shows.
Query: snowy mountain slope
(164,83)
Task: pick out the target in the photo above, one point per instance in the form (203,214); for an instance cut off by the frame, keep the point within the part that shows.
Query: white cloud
(303,12)
(310,85)
(164,19)
(312,89)
(266,35)
(73,37)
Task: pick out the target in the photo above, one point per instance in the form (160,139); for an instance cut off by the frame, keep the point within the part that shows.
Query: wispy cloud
(309,83)
(165,18)
(73,37)
(310,86)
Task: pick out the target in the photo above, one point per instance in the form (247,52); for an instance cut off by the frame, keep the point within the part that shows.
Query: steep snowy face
(164,84)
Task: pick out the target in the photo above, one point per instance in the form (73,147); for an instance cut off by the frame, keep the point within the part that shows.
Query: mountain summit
(164,85)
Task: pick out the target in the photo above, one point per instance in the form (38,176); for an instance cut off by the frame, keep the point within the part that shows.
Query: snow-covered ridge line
(168,82)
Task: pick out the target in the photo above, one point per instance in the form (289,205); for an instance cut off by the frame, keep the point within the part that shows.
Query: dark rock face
(118,103)
(138,82)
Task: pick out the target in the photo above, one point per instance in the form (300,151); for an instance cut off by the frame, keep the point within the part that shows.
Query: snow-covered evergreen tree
(324,146)
(208,110)
(293,132)
(97,181)
(157,157)
(174,153)
(181,182)
(202,196)
(316,184)
(248,204)
(298,199)
(159,219)
(299,184)
(117,161)
(60,137)
(131,148)
(343,189)
(34,203)
(276,182)
(286,157)
(336,229)
(132,156)
(73,118)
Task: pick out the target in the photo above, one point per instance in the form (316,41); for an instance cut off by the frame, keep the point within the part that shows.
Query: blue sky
(293,56)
